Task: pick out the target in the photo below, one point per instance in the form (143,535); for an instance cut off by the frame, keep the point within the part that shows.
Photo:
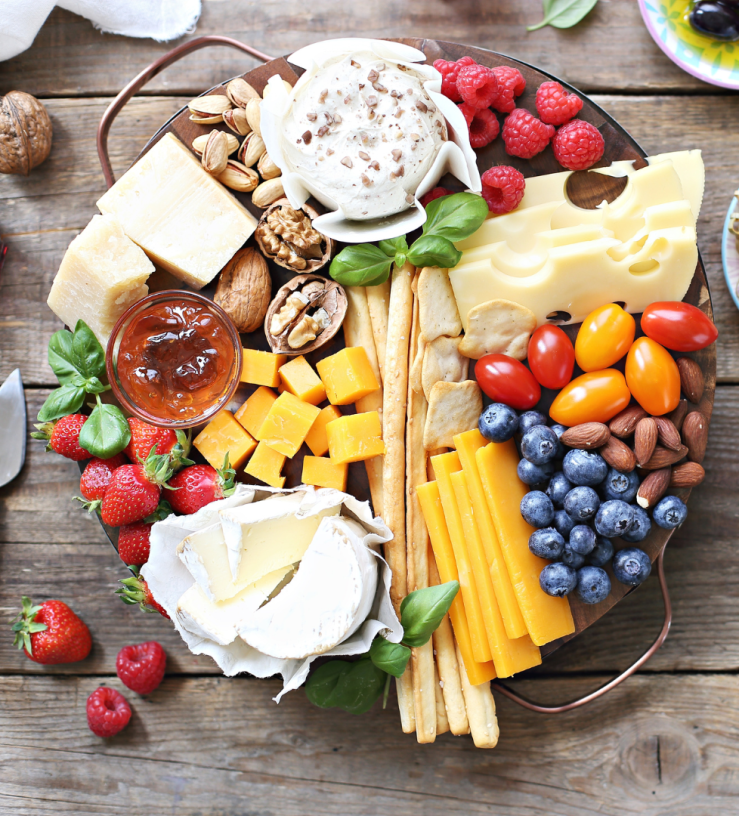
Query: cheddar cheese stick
(378,300)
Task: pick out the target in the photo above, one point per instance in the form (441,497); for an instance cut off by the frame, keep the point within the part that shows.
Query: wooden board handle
(138,82)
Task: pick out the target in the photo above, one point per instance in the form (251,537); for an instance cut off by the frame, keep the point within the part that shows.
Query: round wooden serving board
(585,189)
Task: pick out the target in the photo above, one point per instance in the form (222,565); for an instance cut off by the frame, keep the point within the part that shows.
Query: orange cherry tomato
(604,337)
(653,377)
(593,397)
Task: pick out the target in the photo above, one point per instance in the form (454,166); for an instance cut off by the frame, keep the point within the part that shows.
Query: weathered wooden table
(663,743)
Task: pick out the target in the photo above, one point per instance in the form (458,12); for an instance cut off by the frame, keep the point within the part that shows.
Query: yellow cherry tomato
(594,397)
(604,337)
(653,377)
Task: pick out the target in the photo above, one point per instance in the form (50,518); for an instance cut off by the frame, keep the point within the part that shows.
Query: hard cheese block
(355,438)
(300,379)
(322,472)
(102,273)
(347,375)
(287,424)
(266,465)
(183,219)
(261,367)
(252,413)
(317,439)
(547,618)
(224,435)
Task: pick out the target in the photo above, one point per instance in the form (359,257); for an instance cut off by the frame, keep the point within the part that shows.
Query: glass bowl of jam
(174,359)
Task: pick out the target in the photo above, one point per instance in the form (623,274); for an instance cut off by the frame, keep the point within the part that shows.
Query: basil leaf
(106,432)
(94,386)
(455,217)
(353,687)
(88,351)
(390,657)
(422,611)
(361,265)
(433,250)
(65,400)
(564,13)
(392,246)
(62,358)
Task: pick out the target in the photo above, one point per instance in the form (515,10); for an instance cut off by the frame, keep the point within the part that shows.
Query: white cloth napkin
(20,20)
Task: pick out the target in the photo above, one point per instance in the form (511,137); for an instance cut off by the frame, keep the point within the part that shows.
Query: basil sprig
(563,13)
(355,686)
(78,360)
(448,219)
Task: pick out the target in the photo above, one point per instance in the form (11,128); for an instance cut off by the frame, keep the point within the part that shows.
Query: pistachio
(239,177)
(267,193)
(236,120)
(253,114)
(206,120)
(239,91)
(215,153)
(198,144)
(208,107)
(267,168)
(252,149)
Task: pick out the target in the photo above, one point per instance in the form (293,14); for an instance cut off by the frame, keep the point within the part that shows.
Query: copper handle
(138,82)
(611,684)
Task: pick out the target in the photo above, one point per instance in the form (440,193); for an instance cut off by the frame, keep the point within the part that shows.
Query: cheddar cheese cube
(266,465)
(300,379)
(252,413)
(322,472)
(355,437)
(287,424)
(223,435)
(347,375)
(261,367)
(317,439)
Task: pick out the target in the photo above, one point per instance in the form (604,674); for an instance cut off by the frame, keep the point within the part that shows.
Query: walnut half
(286,235)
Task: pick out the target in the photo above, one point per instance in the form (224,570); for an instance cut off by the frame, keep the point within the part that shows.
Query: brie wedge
(327,601)
(204,554)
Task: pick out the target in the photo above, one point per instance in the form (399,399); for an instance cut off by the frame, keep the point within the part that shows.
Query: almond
(663,457)
(618,455)
(695,435)
(667,433)
(645,438)
(678,415)
(688,474)
(623,424)
(653,488)
(587,436)
(705,406)
(691,378)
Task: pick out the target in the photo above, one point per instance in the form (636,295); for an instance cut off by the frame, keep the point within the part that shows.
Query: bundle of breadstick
(407,340)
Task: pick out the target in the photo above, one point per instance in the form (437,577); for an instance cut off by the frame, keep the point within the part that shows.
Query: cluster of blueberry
(578,504)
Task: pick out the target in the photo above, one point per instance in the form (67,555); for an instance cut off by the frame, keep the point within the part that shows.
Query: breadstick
(404,688)
(378,300)
(358,332)
(442,721)
(480,710)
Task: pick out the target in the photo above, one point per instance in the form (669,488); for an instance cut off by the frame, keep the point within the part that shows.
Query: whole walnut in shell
(244,289)
(25,133)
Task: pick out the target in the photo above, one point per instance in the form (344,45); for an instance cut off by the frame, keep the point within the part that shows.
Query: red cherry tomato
(593,397)
(551,356)
(605,336)
(506,380)
(678,326)
(653,377)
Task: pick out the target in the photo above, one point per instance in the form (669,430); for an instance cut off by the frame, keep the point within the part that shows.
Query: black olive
(716,18)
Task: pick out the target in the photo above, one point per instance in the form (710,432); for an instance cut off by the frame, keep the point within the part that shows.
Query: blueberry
(571,558)
(529,419)
(498,422)
(582,503)
(539,445)
(561,449)
(671,512)
(582,539)
(546,543)
(584,468)
(559,487)
(593,585)
(614,518)
(640,526)
(622,486)
(631,566)
(602,553)
(537,509)
(563,523)
(557,580)
(534,474)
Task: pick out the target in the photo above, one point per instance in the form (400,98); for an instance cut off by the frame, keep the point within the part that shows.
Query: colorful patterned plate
(730,253)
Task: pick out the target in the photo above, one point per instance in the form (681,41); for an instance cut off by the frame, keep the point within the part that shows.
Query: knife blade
(12,427)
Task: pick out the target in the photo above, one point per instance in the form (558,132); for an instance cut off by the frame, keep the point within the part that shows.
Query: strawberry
(133,543)
(141,667)
(51,633)
(95,478)
(135,590)
(63,436)
(198,485)
(108,712)
(145,437)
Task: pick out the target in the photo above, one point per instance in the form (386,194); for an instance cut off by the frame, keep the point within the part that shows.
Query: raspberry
(525,135)
(477,85)
(449,71)
(502,188)
(141,667)
(554,105)
(432,195)
(108,712)
(482,124)
(510,84)
(578,145)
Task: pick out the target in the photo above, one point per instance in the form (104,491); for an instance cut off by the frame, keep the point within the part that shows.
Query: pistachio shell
(236,120)
(211,105)
(240,92)
(238,177)
(198,145)
(267,192)
(253,115)
(251,149)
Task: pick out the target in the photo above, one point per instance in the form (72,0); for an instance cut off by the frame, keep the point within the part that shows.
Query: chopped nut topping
(394,94)
(307,136)
(397,155)
(379,87)
(374,165)
(311,117)
(329,151)
(371,114)
(355,64)
(409,199)
(438,123)
(381,66)
(410,90)
(402,68)
(373,76)
(421,106)
(415,137)
(363,135)
(337,119)
(363,155)
(322,131)
(347,99)
(322,96)
(371,101)
(329,118)
(398,113)
(366,180)
(347,162)
(361,85)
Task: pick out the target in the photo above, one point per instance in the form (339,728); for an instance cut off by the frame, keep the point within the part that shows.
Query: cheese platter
(453,274)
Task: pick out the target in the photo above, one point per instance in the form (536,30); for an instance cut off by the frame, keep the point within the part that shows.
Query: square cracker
(443,362)
(437,306)
(498,327)
(453,409)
